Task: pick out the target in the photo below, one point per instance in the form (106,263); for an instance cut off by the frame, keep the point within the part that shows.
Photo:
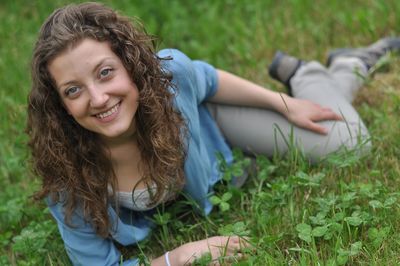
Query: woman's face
(96,89)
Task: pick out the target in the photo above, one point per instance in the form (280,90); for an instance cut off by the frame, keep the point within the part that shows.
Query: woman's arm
(303,113)
(83,245)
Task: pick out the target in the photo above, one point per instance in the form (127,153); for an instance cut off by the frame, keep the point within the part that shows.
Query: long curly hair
(74,164)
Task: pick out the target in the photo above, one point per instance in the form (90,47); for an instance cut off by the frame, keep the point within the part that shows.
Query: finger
(230,251)
(228,245)
(231,239)
(242,247)
(245,242)
(333,115)
(223,242)
(317,128)
(234,257)
(232,243)
(330,115)
(242,241)
(327,115)
(223,260)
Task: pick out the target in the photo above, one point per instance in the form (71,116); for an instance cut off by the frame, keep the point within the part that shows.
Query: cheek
(74,109)
(135,92)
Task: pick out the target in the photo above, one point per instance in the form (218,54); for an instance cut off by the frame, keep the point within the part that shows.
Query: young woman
(116,128)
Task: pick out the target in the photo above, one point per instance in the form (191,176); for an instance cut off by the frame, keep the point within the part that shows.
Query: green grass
(342,211)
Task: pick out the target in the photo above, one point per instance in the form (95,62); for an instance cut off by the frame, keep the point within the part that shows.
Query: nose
(98,97)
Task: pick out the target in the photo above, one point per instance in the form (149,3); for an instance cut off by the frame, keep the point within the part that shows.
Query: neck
(126,138)
(126,161)
(123,148)
(112,143)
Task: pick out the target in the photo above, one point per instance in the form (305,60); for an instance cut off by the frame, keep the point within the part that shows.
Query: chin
(115,135)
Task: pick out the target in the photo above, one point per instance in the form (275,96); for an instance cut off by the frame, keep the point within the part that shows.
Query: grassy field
(343,211)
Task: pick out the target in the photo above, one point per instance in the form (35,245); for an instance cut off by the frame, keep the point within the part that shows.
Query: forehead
(80,59)
(83,49)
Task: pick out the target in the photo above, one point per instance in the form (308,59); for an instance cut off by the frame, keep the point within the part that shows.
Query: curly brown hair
(74,164)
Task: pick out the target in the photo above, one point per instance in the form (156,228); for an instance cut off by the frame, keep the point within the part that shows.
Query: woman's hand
(217,246)
(305,114)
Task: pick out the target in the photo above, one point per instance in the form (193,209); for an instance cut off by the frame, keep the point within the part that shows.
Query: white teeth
(108,113)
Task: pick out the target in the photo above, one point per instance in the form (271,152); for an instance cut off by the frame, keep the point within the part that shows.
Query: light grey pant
(262,131)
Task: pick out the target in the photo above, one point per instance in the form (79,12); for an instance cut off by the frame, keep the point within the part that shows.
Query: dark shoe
(370,54)
(283,68)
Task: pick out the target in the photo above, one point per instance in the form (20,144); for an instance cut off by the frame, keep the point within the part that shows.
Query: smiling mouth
(110,112)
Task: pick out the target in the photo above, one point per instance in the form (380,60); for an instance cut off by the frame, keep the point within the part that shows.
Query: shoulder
(174,55)
(195,78)
(176,62)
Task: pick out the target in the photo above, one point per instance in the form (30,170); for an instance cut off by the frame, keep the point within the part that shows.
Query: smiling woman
(96,89)
(83,114)
(117,128)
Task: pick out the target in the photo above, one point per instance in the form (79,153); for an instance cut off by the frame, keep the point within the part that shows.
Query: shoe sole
(340,52)
(388,44)
(273,68)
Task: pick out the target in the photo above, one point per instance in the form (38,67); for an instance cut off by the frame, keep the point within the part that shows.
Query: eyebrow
(65,84)
(101,62)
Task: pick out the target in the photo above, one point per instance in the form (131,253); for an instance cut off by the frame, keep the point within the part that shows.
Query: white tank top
(139,200)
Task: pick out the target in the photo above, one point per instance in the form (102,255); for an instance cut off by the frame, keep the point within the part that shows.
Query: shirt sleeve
(83,245)
(197,76)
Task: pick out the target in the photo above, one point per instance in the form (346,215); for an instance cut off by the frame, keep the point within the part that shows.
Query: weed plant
(342,211)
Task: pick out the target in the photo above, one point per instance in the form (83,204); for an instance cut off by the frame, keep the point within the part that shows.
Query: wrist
(282,103)
(175,258)
(166,257)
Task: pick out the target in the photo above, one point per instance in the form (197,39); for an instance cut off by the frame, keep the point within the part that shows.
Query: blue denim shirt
(196,81)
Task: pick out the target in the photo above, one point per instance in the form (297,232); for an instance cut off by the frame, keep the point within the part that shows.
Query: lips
(110,114)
